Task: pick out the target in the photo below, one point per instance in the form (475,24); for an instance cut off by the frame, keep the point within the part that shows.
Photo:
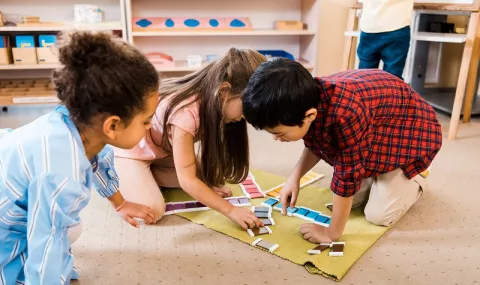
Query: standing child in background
(204,107)
(109,92)
(379,135)
(385,34)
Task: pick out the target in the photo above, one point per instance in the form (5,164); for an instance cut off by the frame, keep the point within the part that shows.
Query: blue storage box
(47,40)
(276,53)
(25,41)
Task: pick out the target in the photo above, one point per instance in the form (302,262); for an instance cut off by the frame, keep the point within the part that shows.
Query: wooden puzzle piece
(270,202)
(262,212)
(265,245)
(168,209)
(307,179)
(301,212)
(311,215)
(262,215)
(239,201)
(251,189)
(329,206)
(337,248)
(291,211)
(322,220)
(318,249)
(259,231)
(193,206)
(278,207)
(268,222)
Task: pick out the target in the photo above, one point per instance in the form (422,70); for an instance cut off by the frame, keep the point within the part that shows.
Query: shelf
(28,66)
(182,67)
(352,33)
(224,33)
(66,26)
(440,37)
(442,100)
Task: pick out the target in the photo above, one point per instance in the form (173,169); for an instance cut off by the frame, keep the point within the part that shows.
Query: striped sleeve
(54,204)
(105,178)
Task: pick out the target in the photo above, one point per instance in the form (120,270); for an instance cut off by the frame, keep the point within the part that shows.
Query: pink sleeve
(186,118)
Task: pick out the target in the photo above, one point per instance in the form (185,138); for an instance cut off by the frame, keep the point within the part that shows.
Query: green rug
(359,234)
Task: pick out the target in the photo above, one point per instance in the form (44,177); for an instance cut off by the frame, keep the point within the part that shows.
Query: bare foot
(223,191)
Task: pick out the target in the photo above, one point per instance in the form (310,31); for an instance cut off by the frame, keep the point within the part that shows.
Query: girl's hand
(244,217)
(129,210)
(222,191)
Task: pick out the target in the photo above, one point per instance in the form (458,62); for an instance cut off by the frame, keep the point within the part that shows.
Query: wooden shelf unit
(467,81)
(262,14)
(53,11)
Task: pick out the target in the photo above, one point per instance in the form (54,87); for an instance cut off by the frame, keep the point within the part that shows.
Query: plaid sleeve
(351,122)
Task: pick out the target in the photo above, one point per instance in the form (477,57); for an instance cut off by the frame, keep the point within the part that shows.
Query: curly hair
(102,75)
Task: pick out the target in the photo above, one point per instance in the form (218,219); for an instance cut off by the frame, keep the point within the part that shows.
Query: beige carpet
(436,242)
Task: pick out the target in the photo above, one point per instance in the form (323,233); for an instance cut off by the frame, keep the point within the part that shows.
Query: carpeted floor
(435,243)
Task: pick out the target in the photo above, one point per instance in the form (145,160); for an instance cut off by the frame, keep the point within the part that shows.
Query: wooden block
(270,202)
(337,249)
(301,212)
(265,245)
(168,209)
(261,209)
(259,231)
(262,215)
(318,249)
(291,211)
(289,25)
(329,206)
(268,222)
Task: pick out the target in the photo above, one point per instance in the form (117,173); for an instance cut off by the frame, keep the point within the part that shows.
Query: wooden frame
(466,84)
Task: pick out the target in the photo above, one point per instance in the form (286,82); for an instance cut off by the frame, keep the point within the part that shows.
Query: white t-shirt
(385,15)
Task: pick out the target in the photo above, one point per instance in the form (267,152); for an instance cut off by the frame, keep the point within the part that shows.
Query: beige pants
(388,196)
(140,181)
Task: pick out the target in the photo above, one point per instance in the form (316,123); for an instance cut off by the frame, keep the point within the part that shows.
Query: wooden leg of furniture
(349,41)
(472,77)
(463,76)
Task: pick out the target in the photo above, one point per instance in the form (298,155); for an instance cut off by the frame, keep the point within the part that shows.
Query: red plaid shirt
(370,122)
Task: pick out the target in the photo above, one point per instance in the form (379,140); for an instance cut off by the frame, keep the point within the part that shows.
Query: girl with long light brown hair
(204,107)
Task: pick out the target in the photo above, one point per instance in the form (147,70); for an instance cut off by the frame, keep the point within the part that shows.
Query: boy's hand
(245,218)
(315,233)
(130,210)
(289,193)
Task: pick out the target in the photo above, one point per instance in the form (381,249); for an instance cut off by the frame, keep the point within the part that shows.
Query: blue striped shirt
(45,181)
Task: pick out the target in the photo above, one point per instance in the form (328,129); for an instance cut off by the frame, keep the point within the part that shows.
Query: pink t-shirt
(184,116)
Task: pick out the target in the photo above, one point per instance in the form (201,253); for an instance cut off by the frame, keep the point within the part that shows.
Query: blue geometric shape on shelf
(143,23)
(169,23)
(192,23)
(213,22)
(236,23)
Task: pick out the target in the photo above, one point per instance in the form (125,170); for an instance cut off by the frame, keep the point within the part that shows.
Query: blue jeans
(390,47)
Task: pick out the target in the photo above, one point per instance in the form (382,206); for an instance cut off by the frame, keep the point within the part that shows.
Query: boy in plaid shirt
(379,135)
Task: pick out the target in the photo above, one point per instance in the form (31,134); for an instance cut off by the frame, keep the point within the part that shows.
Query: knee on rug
(382,217)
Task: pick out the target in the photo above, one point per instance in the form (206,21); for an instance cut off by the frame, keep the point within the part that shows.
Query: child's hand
(289,194)
(245,218)
(315,233)
(222,191)
(129,210)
